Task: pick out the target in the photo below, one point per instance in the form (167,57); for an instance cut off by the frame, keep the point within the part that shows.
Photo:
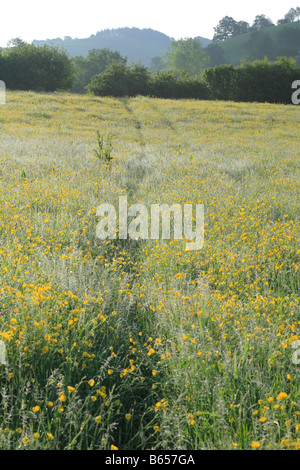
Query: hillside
(235,49)
(134,43)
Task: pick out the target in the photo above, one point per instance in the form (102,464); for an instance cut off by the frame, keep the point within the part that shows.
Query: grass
(141,344)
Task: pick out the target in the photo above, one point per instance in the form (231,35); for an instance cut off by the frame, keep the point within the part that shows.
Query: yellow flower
(50,403)
(128,416)
(71,389)
(110,371)
(62,397)
(91,382)
(25,440)
(98,419)
(262,419)
(35,409)
(281,396)
(255,444)
(50,435)
(112,447)
(156,428)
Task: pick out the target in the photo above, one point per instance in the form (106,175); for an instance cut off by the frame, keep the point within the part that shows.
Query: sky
(37,19)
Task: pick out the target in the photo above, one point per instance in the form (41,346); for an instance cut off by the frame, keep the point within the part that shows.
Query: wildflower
(128,416)
(35,409)
(255,444)
(98,419)
(112,447)
(281,396)
(91,382)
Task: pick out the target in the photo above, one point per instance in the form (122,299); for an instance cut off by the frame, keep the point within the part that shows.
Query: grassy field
(140,344)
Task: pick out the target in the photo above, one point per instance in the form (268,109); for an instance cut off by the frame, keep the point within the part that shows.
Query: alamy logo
(2,92)
(183,222)
(296,355)
(296,94)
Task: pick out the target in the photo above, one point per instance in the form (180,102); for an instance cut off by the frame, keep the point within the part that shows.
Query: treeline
(27,67)
(261,81)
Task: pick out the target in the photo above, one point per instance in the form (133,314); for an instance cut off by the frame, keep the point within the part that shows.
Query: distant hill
(239,47)
(134,43)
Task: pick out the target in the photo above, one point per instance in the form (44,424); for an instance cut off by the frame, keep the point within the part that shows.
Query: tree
(96,62)
(216,54)
(292,15)
(186,55)
(288,41)
(156,63)
(113,81)
(260,22)
(261,45)
(27,67)
(220,82)
(138,76)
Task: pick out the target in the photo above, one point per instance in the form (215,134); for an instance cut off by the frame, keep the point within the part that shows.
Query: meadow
(140,344)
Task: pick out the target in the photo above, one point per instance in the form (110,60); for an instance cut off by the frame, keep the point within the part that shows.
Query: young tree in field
(186,55)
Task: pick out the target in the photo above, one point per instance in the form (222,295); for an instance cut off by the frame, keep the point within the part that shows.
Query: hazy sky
(37,19)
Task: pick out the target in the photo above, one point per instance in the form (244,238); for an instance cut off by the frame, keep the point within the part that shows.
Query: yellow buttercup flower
(281,396)
(255,444)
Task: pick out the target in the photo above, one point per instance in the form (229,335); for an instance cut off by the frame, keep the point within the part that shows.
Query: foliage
(261,45)
(261,81)
(26,67)
(119,80)
(186,55)
(216,54)
(96,62)
(292,15)
(261,22)
(104,148)
(228,27)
